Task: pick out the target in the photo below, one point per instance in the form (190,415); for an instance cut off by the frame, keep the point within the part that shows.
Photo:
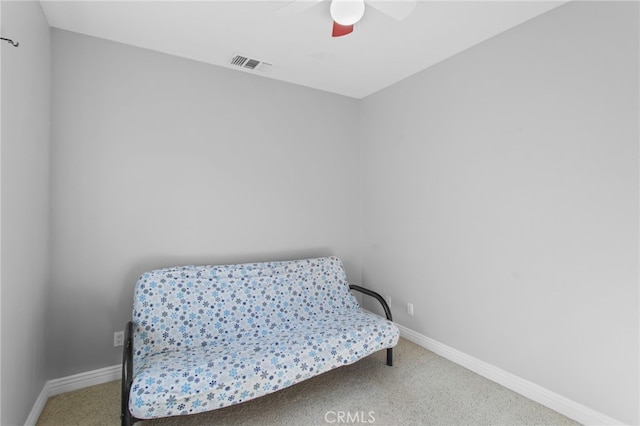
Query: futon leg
(390,357)
(127,376)
(126,420)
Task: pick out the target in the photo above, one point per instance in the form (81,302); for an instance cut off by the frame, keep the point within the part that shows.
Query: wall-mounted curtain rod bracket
(13,43)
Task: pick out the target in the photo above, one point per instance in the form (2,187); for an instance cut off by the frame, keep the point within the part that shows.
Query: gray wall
(500,197)
(25,207)
(159,161)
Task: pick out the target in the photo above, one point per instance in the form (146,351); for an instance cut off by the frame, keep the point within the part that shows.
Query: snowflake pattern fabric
(207,337)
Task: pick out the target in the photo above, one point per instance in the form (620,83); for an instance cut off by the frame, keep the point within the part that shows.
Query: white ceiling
(380,51)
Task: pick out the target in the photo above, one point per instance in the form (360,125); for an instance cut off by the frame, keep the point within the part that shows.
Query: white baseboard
(552,400)
(71,383)
(37,408)
(84,380)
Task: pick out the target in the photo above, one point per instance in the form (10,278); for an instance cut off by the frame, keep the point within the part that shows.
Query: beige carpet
(420,389)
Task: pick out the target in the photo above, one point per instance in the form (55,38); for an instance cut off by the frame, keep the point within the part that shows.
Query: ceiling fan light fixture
(347,12)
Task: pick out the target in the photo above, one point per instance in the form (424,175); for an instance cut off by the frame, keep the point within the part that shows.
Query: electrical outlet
(410,308)
(118,338)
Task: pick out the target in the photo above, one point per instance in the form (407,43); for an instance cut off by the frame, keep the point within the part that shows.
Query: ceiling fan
(346,13)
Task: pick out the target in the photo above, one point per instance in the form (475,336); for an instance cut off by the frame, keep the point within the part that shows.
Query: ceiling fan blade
(341,30)
(295,7)
(397,9)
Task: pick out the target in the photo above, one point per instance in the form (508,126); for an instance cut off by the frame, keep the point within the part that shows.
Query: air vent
(239,60)
(243,61)
(251,64)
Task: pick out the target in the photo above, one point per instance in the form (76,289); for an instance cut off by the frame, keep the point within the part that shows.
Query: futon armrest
(387,310)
